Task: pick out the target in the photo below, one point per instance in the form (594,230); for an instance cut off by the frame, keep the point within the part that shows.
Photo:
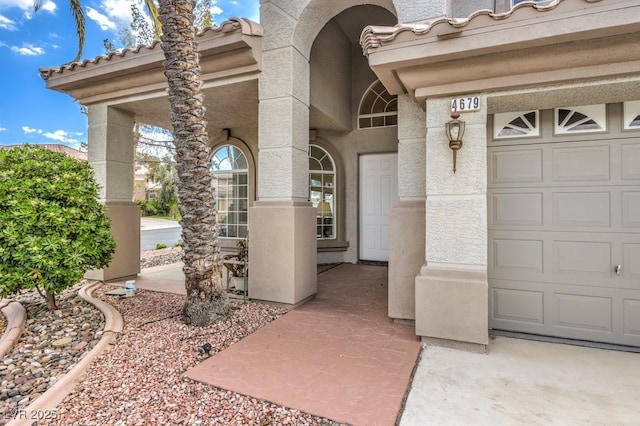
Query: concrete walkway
(519,382)
(523,382)
(338,356)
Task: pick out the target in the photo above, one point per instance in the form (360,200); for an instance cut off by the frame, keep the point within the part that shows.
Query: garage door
(564,231)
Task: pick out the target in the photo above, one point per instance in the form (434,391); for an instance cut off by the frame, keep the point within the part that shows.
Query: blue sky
(30,113)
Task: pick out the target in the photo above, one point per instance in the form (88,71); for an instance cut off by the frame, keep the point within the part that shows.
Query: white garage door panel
(575,209)
(581,259)
(516,166)
(583,312)
(561,216)
(632,261)
(630,209)
(568,164)
(516,209)
(631,318)
(517,255)
(631,161)
(518,305)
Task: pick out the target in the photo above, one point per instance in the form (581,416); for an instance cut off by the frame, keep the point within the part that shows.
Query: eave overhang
(533,44)
(230,51)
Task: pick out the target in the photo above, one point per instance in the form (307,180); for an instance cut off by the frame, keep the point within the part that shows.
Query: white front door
(378,194)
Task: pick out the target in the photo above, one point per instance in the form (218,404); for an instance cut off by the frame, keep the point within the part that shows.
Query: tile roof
(71,152)
(247,27)
(375,36)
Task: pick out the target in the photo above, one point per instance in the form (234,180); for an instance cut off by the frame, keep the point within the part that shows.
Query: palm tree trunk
(206,301)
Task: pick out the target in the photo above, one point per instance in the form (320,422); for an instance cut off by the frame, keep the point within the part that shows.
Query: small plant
(161,246)
(53,227)
(242,257)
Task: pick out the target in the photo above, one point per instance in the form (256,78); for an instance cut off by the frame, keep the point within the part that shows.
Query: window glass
(516,125)
(229,167)
(322,191)
(377,108)
(580,119)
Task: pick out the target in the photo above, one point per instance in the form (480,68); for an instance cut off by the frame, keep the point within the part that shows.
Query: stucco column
(282,239)
(407,218)
(111,156)
(452,290)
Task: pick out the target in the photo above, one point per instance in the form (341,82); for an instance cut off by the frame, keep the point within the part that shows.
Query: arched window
(322,191)
(377,108)
(231,184)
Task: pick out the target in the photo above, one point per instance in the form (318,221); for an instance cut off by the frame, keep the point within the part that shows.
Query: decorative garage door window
(581,119)
(322,183)
(231,184)
(516,125)
(377,108)
(632,115)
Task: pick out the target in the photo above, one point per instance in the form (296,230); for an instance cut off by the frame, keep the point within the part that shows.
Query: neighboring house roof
(71,152)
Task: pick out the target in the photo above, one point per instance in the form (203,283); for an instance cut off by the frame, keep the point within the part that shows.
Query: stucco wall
(331,79)
(464,8)
(418,10)
(456,203)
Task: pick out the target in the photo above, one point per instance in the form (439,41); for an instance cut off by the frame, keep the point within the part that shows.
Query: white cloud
(120,10)
(7,24)
(49,6)
(103,21)
(215,10)
(2,129)
(60,135)
(27,6)
(28,130)
(21,4)
(28,50)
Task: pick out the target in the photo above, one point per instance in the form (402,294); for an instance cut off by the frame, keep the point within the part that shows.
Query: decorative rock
(80,345)
(65,341)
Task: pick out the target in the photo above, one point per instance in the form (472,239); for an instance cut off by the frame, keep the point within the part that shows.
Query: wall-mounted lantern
(455,131)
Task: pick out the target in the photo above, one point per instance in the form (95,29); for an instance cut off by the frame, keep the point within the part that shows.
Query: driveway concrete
(154,231)
(522,382)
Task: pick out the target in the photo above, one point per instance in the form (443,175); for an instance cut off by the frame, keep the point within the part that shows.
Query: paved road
(154,231)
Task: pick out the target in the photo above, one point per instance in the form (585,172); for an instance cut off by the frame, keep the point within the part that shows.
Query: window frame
(325,184)
(379,95)
(337,243)
(244,149)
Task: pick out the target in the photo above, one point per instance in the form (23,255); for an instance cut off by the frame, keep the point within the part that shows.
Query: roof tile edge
(373,37)
(247,27)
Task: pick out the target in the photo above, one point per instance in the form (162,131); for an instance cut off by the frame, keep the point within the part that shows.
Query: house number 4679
(465,104)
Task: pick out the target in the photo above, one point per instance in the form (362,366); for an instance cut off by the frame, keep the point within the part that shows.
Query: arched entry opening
(339,79)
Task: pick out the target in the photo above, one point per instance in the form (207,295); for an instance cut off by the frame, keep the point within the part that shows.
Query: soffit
(488,51)
(232,105)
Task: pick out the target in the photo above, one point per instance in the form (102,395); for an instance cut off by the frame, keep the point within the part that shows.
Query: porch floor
(338,356)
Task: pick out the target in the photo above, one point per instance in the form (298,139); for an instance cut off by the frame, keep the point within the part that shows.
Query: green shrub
(160,246)
(148,208)
(53,227)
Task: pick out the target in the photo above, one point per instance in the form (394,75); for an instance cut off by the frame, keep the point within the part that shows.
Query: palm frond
(155,17)
(78,15)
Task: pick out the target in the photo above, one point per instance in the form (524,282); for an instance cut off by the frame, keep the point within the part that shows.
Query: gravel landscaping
(139,381)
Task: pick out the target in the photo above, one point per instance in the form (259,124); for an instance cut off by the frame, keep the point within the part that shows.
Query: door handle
(617,269)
